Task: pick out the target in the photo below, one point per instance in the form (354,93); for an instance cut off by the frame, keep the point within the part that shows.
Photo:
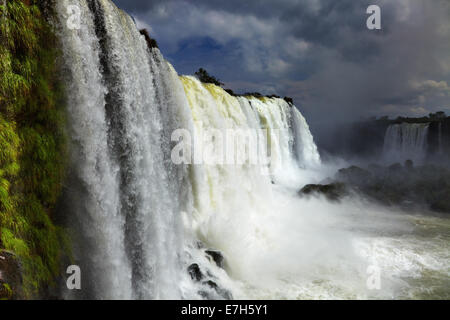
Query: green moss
(8,293)
(32,143)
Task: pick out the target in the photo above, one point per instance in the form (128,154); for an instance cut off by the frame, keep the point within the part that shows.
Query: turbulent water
(406,141)
(142,219)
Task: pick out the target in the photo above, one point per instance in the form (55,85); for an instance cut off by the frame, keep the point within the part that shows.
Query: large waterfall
(169,175)
(406,141)
(139,215)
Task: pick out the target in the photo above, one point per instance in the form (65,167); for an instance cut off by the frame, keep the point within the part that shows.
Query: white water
(406,141)
(139,217)
(131,202)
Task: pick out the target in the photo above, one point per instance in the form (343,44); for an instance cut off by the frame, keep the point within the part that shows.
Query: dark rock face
(195,272)
(10,276)
(217,257)
(333,191)
(211,290)
(426,186)
(225,294)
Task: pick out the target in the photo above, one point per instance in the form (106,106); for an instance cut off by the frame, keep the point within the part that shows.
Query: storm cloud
(319,52)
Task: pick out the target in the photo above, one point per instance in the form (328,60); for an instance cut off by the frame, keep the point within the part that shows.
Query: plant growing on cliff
(151,43)
(205,77)
(32,143)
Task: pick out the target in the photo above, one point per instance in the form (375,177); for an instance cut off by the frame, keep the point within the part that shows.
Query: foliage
(32,142)
(151,43)
(432,117)
(205,77)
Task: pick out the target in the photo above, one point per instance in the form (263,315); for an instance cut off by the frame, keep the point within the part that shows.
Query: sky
(319,52)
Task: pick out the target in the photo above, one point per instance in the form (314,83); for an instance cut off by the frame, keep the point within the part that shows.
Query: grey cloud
(318,51)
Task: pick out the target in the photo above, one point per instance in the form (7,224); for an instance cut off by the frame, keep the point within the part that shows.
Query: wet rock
(223,293)
(10,276)
(424,187)
(217,257)
(333,191)
(195,272)
(442,203)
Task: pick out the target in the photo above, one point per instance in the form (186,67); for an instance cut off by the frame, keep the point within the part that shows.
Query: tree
(151,43)
(205,77)
(437,116)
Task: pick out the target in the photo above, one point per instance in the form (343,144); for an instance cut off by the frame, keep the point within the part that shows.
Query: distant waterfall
(406,141)
(440,141)
(138,216)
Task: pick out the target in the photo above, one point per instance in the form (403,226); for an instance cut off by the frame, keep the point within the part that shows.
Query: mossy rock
(32,144)
(10,276)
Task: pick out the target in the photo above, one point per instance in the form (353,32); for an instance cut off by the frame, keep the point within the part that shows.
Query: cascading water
(130,202)
(440,141)
(128,197)
(406,141)
(143,220)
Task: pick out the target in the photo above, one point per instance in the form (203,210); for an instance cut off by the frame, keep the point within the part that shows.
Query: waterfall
(127,197)
(164,168)
(440,142)
(139,216)
(406,141)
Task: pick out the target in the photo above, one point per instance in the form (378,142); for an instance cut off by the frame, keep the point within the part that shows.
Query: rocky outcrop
(333,191)
(400,185)
(10,276)
(205,278)
(195,272)
(216,256)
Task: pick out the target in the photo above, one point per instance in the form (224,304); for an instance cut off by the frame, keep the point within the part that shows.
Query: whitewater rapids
(139,220)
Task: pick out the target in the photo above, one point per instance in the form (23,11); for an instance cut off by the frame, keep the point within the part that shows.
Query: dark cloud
(318,51)
(137,6)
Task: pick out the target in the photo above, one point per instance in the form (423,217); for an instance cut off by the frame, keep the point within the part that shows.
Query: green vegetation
(432,117)
(205,77)
(8,293)
(151,43)
(32,143)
